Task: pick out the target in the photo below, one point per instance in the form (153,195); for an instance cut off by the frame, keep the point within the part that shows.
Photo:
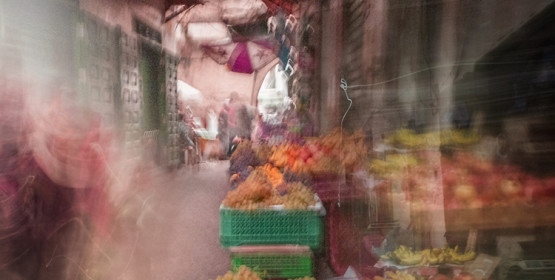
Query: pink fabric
(239,60)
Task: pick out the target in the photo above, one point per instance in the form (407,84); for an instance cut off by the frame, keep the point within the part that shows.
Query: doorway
(152,73)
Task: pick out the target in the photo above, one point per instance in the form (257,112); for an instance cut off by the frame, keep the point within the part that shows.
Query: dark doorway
(150,68)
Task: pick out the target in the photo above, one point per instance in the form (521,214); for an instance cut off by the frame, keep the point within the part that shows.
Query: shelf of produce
(500,217)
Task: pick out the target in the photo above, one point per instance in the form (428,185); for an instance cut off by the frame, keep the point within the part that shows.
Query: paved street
(167,229)
(179,236)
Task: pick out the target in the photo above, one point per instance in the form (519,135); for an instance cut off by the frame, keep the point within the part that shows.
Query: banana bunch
(392,165)
(408,139)
(452,255)
(407,257)
(404,256)
(458,138)
(397,275)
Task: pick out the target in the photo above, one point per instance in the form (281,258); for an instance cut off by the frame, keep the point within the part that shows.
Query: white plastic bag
(236,12)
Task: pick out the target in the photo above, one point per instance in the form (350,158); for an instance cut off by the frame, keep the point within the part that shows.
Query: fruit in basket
(262,152)
(298,196)
(290,176)
(273,174)
(343,150)
(243,157)
(261,190)
(251,193)
(244,273)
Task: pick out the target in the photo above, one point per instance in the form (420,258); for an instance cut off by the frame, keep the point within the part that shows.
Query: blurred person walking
(223,130)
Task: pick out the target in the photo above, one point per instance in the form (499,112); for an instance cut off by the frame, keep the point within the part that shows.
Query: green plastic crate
(275,265)
(271,227)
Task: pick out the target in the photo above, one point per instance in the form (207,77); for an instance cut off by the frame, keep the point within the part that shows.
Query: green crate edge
(304,270)
(313,240)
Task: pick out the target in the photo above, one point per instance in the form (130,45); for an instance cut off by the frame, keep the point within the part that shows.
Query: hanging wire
(344,86)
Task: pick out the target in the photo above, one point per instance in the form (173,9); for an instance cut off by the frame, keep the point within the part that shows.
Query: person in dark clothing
(223,130)
(184,138)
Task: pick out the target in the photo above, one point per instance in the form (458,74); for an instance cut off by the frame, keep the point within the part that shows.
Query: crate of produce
(282,261)
(272,226)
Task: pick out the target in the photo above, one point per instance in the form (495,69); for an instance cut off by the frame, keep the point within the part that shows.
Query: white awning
(187,92)
(212,33)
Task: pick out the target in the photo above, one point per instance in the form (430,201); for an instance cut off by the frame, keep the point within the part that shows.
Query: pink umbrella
(219,53)
(249,56)
(243,56)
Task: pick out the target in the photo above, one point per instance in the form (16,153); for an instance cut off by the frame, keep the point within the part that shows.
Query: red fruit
(291,160)
(313,148)
(318,155)
(305,154)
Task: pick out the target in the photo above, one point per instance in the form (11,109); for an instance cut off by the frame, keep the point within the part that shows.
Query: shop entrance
(151,72)
(513,87)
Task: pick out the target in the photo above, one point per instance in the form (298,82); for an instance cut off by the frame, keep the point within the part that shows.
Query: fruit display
(392,165)
(298,196)
(397,275)
(290,176)
(273,174)
(243,157)
(250,194)
(405,138)
(265,187)
(244,273)
(466,181)
(331,153)
(406,256)
(262,152)
(470,182)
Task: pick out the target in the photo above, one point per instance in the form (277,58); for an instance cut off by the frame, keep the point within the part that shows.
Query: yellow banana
(466,256)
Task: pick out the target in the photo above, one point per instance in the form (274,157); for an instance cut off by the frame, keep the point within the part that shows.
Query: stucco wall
(121,13)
